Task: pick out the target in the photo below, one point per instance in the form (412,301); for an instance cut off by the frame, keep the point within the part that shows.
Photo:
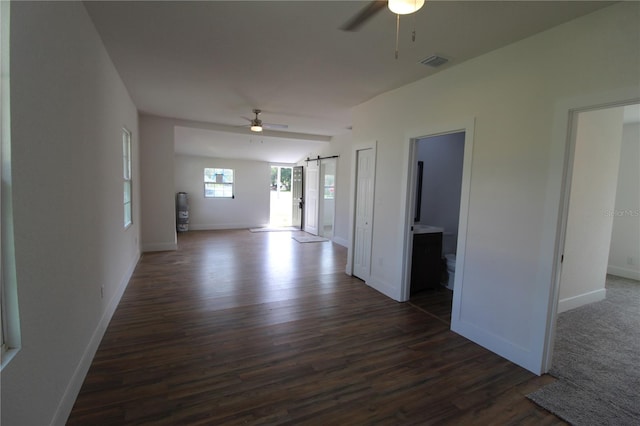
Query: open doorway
(438,188)
(600,229)
(280,211)
(595,337)
(596,144)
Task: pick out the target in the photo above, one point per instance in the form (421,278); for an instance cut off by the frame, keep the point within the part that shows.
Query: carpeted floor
(597,360)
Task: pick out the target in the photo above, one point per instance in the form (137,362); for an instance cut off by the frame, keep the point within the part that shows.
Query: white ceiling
(214,61)
(243,145)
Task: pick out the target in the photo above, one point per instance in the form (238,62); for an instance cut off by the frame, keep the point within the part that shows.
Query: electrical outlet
(630,261)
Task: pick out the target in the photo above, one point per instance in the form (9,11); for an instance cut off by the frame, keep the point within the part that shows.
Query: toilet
(451,269)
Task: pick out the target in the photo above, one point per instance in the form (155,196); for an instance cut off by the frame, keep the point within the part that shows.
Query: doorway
(466,130)
(280,206)
(596,143)
(600,230)
(438,189)
(598,246)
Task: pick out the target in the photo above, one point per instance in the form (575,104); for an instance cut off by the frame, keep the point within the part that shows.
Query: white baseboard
(581,300)
(341,241)
(523,356)
(620,271)
(206,227)
(146,248)
(73,388)
(384,288)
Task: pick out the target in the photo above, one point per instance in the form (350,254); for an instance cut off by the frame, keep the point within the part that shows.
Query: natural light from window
(218,183)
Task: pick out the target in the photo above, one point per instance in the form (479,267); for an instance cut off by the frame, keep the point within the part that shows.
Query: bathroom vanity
(426,263)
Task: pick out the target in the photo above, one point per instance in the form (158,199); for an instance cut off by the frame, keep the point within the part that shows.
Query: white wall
(442,184)
(624,256)
(512,94)
(157,176)
(159,183)
(342,145)
(68,109)
(598,135)
(249,208)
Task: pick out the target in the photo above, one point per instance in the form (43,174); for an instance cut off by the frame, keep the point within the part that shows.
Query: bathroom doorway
(438,189)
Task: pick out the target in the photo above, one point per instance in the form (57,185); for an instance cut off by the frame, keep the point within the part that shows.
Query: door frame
(562,160)
(372,145)
(467,126)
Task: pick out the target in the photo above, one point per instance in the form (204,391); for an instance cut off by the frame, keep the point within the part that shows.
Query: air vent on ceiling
(434,61)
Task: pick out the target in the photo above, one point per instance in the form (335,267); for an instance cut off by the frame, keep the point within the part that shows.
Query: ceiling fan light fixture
(256,123)
(405,7)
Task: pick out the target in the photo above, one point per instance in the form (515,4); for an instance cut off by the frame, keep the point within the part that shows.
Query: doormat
(274,229)
(309,239)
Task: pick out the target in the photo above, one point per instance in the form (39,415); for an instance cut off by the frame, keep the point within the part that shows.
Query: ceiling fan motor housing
(256,123)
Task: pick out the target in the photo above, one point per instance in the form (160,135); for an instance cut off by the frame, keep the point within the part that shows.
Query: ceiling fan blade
(272,126)
(364,15)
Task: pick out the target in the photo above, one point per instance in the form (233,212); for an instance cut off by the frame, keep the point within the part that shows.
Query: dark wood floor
(435,302)
(256,328)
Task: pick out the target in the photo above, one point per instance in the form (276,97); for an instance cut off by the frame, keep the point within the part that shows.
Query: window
(329,187)
(281,178)
(126,175)
(218,183)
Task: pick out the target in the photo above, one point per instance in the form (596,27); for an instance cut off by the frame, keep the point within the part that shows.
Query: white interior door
(312,185)
(365,173)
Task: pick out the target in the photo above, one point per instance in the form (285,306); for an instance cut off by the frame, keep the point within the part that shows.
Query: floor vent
(434,61)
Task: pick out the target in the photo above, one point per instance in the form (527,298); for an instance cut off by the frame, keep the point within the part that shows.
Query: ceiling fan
(399,7)
(257,125)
